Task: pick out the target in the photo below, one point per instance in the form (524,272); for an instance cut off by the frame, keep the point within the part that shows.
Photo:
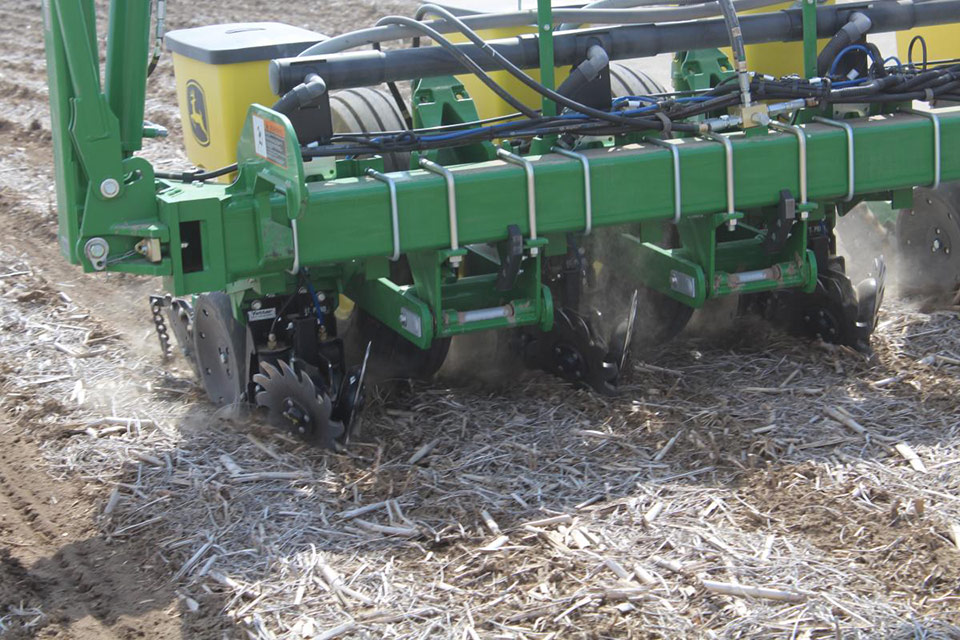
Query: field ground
(474,507)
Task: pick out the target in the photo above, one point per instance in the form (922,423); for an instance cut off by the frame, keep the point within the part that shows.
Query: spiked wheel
(294,403)
(574,352)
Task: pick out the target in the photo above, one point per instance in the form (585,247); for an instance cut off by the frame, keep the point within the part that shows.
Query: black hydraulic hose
(597,59)
(302,95)
(197,176)
(857,27)
(463,59)
(923,45)
(368,68)
(739,51)
(518,73)
(158,37)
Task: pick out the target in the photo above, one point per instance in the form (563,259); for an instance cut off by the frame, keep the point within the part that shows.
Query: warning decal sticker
(269,141)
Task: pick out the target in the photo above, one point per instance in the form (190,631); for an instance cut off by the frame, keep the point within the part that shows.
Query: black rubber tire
(830,313)
(627,81)
(217,333)
(368,110)
(392,355)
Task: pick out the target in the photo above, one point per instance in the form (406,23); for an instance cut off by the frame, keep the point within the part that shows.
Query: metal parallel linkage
(935,119)
(851,169)
(728,148)
(802,145)
(447,175)
(677,189)
(394,213)
(527,166)
(588,193)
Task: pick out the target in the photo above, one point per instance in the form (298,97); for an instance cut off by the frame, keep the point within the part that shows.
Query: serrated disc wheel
(294,403)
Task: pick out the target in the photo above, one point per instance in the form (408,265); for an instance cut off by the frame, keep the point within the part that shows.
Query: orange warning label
(270,141)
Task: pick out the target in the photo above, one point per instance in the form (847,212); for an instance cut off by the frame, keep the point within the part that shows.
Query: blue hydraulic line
(567,116)
(850,83)
(316,299)
(853,47)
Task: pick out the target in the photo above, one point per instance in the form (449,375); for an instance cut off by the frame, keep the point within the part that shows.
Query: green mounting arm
(101,189)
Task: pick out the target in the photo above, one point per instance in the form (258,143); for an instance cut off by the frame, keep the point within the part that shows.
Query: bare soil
(130,509)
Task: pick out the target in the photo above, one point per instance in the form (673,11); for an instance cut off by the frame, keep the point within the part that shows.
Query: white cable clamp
(802,145)
(394,212)
(935,119)
(851,168)
(728,148)
(447,175)
(527,166)
(587,193)
(296,249)
(677,188)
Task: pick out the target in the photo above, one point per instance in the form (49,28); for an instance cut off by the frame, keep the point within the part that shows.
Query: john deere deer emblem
(197,109)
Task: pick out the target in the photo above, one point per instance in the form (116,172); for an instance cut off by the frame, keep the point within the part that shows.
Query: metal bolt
(256,305)
(223,358)
(109,188)
(936,245)
(321,296)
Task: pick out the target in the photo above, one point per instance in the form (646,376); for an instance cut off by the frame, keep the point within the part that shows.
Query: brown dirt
(893,541)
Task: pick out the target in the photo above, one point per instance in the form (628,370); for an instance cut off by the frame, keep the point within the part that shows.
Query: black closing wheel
(929,241)
(391,355)
(367,110)
(220,349)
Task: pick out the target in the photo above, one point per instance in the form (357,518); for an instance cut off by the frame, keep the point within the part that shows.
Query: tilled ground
(478,508)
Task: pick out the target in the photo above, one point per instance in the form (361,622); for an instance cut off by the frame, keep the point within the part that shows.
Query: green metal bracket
(809,16)
(396,306)
(442,304)
(700,69)
(547,68)
(444,101)
(128,47)
(269,159)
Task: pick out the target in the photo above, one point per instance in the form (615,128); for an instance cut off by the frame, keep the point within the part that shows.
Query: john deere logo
(197,109)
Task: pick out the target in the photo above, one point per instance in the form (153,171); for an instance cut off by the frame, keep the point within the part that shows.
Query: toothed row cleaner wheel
(293,402)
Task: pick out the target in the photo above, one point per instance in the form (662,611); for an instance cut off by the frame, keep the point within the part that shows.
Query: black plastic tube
(368,68)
